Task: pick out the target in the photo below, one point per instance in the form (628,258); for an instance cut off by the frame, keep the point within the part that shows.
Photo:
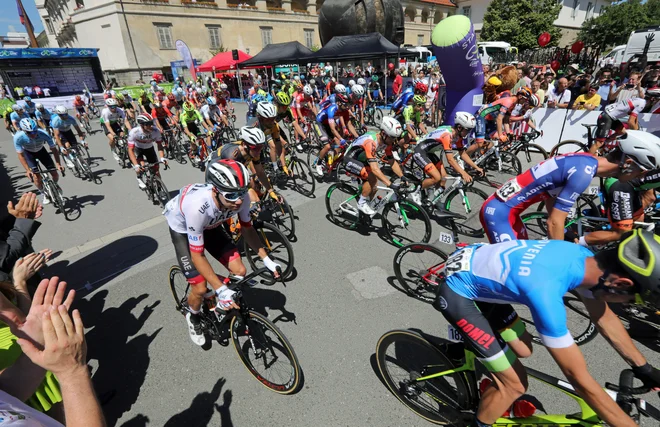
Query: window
(164,32)
(49,26)
(420,39)
(266,36)
(467,11)
(214,37)
(590,9)
(309,38)
(576,6)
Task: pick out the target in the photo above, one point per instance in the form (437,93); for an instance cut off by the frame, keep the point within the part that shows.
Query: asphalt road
(117,253)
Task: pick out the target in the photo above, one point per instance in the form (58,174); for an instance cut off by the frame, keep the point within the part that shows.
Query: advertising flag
(184,51)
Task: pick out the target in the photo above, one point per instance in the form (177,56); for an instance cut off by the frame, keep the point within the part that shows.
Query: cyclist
(30,107)
(7,116)
(340,89)
(257,95)
(357,101)
(144,102)
(212,113)
(316,94)
(195,217)
(62,123)
(360,159)
(163,117)
(44,117)
(480,282)
(141,148)
(303,106)
(490,117)
(113,121)
(172,104)
(402,101)
(430,148)
(129,107)
(374,92)
(17,115)
(333,119)
(80,107)
(411,116)
(610,119)
(193,123)
(224,100)
(266,121)
(559,181)
(29,143)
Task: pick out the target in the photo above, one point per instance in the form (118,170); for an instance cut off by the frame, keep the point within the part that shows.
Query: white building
(573,13)
(14,39)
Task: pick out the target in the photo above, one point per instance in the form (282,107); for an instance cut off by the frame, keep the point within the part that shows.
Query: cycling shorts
(194,129)
(68,136)
(164,123)
(218,244)
(43,156)
(148,154)
(356,167)
(116,128)
(485,128)
(129,106)
(80,110)
(325,131)
(605,123)
(500,222)
(485,327)
(424,160)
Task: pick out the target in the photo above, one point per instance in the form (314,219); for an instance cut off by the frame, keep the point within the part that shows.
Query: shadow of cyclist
(202,408)
(263,300)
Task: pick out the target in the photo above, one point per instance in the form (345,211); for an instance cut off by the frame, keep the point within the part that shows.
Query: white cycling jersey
(194,211)
(209,112)
(143,140)
(629,107)
(110,117)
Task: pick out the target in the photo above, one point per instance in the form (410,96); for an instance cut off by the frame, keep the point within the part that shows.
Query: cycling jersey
(45,116)
(331,114)
(108,116)
(63,125)
(364,148)
(626,201)
(30,108)
(194,210)
(22,142)
(410,115)
(501,106)
(79,105)
(327,101)
(271,131)
(209,112)
(191,117)
(144,140)
(403,100)
(436,141)
(535,273)
(629,107)
(374,88)
(161,113)
(15,117)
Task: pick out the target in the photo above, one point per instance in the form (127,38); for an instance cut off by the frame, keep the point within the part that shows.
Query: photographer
(631,89)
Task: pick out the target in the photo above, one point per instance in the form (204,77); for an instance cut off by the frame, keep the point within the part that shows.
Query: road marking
(108,238)
(370,283)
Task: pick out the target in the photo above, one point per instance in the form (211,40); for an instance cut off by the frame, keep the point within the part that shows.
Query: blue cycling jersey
(22,142)
(327,101)
(327,114)
(15,117)
(45,115)
(30,107)
(63,125)
(403,100)
(536,273)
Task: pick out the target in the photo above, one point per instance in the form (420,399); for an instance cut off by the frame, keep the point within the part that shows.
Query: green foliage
(614,25)
(315,47)
(218,50)
(521,22)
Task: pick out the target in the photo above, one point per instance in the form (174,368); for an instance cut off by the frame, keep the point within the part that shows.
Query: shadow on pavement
(120,355)
(104,264)
(202,408)
(264,300)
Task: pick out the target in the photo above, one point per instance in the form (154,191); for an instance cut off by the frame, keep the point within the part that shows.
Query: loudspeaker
(234,54)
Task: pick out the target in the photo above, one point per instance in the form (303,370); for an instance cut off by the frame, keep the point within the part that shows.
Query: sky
(10,18)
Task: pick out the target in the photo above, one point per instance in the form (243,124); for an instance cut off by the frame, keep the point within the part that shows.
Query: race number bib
(508,190)
(460,261)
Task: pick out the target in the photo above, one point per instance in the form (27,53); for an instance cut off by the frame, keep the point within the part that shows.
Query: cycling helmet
(419,99)
(180,91)
(120,97)
(639,255)
(198,90)
(307,90)
(374,78)
(524,91)
(341,98)
(351,83)
(654,91)
(253,137)
(421,87)
(171,97)
(296,77)
(9,110)
(145,119)
(464,119)
(361,81)
(27,99)
(340,88)
(157,104)
(78,98)
(266,110)
(187,106)
(357,90)
(223,86)
(16,107)
(60,109)
(391,127)
(534,101)
(283,98)
(124,92)
(28,125)
(227,175)
(210,100)
(642,147)
(111,102)
(312,81)
(39,106)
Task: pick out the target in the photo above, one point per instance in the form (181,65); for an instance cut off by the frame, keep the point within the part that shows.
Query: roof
(440,2)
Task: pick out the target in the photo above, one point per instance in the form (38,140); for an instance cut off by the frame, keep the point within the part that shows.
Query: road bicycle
(173,146)
(522,147)
(332,165)
(403,221)
(51,189)
(93,110)
(439,381)
(301,177)
(79,156)
(573,146)
(86,124)
(278,213)
(154,185)
(199,157)
(372,114)
(222,135)
(121,150)
(496,160)
(262,347)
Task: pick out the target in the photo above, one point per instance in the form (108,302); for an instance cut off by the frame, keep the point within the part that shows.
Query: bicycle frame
(345,207)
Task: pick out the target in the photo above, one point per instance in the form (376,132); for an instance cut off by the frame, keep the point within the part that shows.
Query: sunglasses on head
(234,195)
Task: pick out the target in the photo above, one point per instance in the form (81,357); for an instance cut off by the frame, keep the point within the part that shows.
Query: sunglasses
(234,195)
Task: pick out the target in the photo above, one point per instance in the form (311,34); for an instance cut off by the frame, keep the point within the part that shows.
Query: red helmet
(78,98)
(390,66)
(421,87)
(170,97)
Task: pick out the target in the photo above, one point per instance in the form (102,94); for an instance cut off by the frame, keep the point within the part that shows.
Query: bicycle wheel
(179,287)
(341,203)
(569,146)
(535,223)
(416,266)
(277,248)
(468,203)
(409,223)
(402,357)
(161,195)
(266,353)
(507,167)
(530,154)
(281,215)
(303,178)
(378,117)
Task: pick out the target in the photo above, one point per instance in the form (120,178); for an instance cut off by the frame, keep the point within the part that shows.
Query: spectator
(17,233)
(588,101)
(523,77)
(631,89)
(46,92)
(560,96)
(486,70)
(603,86)
(549,78)
(397,83)
(536,90)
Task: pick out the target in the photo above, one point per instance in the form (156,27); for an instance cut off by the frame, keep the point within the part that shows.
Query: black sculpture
(349,17)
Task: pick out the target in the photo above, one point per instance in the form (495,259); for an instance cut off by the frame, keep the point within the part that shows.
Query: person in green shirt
(412,116)
(190,120)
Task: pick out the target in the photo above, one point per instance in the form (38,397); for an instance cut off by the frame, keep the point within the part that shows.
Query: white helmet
(391,127)
(464,119)
(39,105)
(307,89)
(266,110)
(361,81)
(340,88)
(252,136)
(296,77)
(199,90)
(223,86)
(312,81)
(61,109)
(642,146)
(28,125)
(357,90)
(351,83)
(16,107)
(111,102)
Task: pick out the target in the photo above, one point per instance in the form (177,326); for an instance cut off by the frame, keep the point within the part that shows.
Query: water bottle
(331,157)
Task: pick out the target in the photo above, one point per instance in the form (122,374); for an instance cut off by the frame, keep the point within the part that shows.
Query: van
(496,52)
(635,47)
(614,58)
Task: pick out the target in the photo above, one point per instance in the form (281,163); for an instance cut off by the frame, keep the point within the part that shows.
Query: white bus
(501,52)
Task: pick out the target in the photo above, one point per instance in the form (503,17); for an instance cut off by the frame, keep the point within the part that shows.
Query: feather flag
(25,20)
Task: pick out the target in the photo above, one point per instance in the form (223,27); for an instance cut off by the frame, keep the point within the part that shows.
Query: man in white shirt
(560,96)
(631,89)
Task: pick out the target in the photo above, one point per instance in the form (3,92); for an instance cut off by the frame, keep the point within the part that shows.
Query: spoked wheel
(277,248)
(408,223)
(303,178)
(402,357)
(531,154)
(535,223)
(569,146)
(507,167)
(161,195)
(266,353)
(279,214)
(467,201)
(378,116)
(341,203)
(416,268)
(180,288)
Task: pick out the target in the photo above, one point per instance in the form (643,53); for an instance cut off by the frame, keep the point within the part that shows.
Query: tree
(218,50)
(521,22)
(614,25)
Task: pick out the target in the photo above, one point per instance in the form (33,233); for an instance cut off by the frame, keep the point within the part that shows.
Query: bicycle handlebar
(625,386)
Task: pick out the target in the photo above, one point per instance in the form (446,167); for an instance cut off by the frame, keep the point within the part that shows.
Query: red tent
(223,61)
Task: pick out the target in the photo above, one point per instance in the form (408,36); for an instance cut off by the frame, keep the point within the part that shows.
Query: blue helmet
(210,100)
(27,99)
(28,125)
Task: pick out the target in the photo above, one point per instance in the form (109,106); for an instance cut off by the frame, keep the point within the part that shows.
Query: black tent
(360,46)
(279,53)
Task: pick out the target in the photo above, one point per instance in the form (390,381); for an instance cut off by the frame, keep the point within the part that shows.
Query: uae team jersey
(536,273)
(143,140)
(629,107)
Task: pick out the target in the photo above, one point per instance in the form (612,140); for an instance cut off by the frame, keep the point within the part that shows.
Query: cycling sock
(477,423)
(362,200)
(274,165)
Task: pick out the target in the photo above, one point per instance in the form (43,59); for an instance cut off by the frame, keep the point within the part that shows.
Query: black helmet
(639,255)
(227,175)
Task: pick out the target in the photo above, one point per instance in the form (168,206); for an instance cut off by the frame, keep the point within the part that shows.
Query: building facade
(14,39)
(573,13)
(136,37)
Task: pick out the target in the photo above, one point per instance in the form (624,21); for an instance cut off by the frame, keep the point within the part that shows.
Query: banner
(46,53)
(184,51)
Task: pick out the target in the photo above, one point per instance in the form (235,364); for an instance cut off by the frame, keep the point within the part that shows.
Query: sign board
(46,53)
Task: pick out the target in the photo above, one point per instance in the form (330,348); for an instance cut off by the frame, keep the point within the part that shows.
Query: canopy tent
(279,53)
(359,46)
(223,61)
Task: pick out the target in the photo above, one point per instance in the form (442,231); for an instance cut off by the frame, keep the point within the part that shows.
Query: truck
(496,52)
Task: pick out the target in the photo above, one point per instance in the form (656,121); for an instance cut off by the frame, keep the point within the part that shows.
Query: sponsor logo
(186,263)
(193,238)
(442,303)
(524,269)
(490,211)
(621,207)
(204,207)
(476,334)
(191,228)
